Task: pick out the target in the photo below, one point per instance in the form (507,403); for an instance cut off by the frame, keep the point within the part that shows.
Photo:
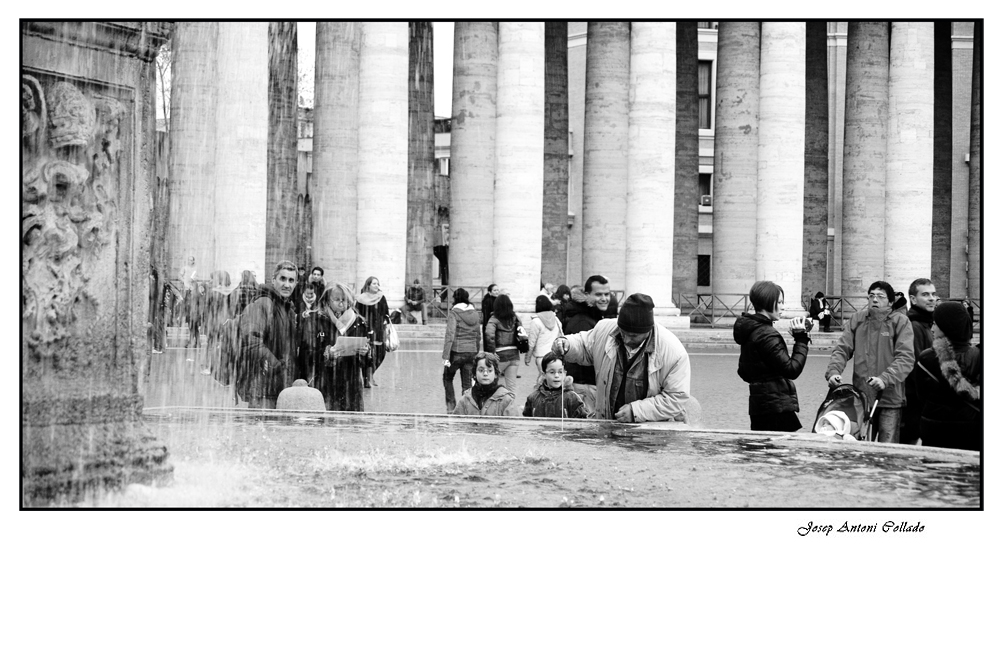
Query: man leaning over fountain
(268,341)
(643,371)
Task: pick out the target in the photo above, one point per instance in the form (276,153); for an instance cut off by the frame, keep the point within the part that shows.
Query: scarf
(480,393)
(952,372)
(345,320)
(370,298)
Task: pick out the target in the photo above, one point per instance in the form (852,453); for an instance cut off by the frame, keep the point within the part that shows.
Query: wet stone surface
(242,458)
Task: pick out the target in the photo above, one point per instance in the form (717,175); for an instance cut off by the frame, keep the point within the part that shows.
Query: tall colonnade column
(684,280)
(865,136)
(383,94)
(909,181)
(421,203)
(780,159)
(605,163)
(282,145)
(520,148)
(734,205)
(473,143)
(555,233)
(649,222)
(192,140)
(241,149)
(335,149)
(816,214)
(975,167)
(961,55)
(943,150)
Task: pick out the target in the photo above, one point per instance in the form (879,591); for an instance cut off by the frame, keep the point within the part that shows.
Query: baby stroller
(845,413)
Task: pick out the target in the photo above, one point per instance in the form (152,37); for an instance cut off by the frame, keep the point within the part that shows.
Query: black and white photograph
(729,271)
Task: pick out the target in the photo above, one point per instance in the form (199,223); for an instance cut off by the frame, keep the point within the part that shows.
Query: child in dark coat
(554,397)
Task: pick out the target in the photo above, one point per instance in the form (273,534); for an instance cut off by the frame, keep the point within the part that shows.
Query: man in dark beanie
(879,338)
(642,370)
(949,377)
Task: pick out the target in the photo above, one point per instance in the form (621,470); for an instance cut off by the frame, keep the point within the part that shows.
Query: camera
(808,324)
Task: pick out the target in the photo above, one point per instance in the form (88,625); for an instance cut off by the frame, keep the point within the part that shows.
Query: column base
(671,318)
(76,460)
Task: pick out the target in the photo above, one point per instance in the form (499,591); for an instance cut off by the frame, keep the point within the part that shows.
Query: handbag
(391,338)
(520,338)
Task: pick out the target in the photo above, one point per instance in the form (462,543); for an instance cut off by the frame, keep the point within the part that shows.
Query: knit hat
(635,315)
(952,319)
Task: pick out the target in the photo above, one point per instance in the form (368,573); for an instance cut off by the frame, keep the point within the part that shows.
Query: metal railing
(713,310)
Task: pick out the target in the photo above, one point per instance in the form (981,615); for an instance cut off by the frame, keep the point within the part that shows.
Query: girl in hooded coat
(543,329)
(765,363)
(949,380)
(488,396)
(373,307)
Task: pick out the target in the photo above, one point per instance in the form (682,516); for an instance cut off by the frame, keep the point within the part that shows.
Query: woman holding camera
(765,363)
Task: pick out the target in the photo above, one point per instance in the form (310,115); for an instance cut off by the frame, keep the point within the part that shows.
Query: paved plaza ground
(409,381)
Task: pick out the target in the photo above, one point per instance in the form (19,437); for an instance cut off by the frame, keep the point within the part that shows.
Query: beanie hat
(635,315)
(952,319)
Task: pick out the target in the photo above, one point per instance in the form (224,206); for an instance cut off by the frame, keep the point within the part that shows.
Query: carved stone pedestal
(88,138)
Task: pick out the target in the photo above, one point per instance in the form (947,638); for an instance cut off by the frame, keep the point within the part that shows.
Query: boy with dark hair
(554,396)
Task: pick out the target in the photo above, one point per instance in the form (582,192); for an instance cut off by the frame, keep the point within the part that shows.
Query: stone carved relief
(71,145)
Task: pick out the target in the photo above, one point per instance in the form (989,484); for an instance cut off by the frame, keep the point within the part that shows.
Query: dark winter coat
(555,403)
(948,382)
(922,340)
(344,374)
(463,334)
(766,365)
(268,333)
(579,317)
(316,332)
(376,315)
(501,338)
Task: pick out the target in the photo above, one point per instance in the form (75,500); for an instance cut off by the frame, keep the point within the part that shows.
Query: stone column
(909,182)
(780,159)
(334,191)
(975,290)
(734,205)
(555,197)
(520,151)
(88,135)
(605,162)
(961,109)
(382,147)
(282,144)
(241,150)
(815,223)
(685,241)
(193,92)
(649,222)
(837,57)
(421,216)
(943,149)
(867,105)
(473,145)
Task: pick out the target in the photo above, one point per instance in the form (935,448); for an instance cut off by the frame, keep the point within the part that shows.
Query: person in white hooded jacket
(543,329)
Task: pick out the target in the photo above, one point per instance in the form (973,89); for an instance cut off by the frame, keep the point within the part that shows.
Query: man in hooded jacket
(879,338)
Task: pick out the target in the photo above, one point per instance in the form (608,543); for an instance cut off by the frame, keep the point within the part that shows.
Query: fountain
(87,176)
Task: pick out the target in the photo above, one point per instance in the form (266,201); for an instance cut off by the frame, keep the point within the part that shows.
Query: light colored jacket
(463,334)
(543,329)
(668,370)
(500,403)
(881,345)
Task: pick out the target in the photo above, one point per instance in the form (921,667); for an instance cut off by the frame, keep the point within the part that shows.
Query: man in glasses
(879,338)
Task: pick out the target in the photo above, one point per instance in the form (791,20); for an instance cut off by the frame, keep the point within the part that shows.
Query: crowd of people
(590,356)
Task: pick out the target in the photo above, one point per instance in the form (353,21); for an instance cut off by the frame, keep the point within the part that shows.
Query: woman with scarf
(951,374)
(344,368)
(487,396)
(373,307)
(316,331)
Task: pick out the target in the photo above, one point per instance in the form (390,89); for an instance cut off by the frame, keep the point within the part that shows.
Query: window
(705,94)
(443,166)
(708,25)
(704,271)
(704,187)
